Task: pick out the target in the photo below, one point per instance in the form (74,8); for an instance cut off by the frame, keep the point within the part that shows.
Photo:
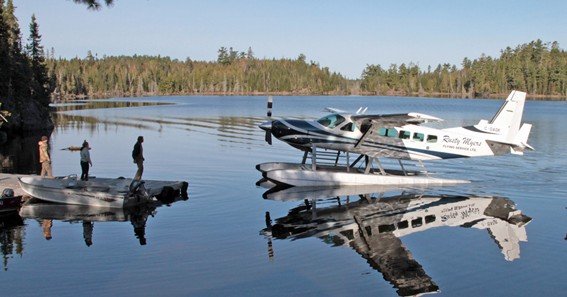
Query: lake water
(227,239)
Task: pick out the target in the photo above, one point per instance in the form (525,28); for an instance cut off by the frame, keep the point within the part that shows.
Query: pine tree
(4,56)
(93,4)
(19,64)
(39,80)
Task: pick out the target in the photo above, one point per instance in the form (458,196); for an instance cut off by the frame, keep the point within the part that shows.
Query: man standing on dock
(138,156)
(44,158)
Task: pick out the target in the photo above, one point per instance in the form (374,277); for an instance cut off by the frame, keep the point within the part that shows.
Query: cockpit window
(331,121)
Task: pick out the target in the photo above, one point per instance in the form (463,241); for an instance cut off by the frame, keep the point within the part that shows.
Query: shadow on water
(12,227)
(373,225)
(20,154)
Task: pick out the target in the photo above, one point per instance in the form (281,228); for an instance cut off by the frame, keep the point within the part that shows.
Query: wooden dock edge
(11,181)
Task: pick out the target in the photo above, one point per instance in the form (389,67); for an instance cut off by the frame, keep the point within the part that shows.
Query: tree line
(232,73)
(538,68)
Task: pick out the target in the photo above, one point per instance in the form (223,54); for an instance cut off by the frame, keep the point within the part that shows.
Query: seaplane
(345,148)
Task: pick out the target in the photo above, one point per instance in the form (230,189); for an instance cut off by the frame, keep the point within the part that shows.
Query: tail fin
(507,120)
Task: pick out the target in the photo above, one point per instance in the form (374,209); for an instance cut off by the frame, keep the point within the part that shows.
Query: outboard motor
(137,188)
(7,193)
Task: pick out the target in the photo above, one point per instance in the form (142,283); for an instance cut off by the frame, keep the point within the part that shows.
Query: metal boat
(105,192)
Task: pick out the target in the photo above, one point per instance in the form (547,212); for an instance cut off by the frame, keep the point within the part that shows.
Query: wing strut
(364,136)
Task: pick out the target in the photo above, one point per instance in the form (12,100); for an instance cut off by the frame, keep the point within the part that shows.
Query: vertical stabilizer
(506,122)
(509,116)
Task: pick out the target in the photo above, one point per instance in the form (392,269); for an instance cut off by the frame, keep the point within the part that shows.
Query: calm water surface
(218,242)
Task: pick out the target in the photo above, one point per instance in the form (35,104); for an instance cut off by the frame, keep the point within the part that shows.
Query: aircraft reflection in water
(46,212)
(373,227)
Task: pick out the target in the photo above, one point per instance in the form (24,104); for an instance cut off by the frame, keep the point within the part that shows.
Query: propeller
(267,126)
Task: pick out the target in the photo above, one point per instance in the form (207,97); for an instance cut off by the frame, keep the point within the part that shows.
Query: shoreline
(535,97)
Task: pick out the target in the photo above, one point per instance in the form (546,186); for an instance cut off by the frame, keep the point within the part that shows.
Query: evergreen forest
(25,85)
(538,68)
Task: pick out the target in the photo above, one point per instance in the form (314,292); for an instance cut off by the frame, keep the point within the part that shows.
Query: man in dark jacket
(138,156)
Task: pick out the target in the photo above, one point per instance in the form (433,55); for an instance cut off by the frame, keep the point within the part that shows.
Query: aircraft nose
(266,126)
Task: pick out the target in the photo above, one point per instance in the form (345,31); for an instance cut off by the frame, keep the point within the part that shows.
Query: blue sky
(342,35)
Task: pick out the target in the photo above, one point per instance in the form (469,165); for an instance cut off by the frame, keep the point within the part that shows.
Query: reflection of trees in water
(65,122)
(12,227)
(231,130)
(12,233)
(100,104)
(20,154)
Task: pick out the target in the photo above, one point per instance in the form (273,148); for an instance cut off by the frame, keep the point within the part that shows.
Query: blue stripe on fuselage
(441,155)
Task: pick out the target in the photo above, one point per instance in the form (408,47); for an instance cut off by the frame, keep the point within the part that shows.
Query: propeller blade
(268,137)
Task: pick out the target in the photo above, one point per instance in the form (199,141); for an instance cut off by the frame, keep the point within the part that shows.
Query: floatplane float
(340,136)
(102,192)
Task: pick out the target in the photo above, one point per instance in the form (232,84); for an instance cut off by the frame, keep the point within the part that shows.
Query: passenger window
(429,219)
(392,133)
(417,222)
(418,136)
(431,138)
(348,234)
(388,132)
(403,224)
(404,134)
(386,228)
(348,127)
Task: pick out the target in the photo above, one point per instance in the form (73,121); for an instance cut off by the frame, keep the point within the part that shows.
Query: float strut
(313,157)
(382,171)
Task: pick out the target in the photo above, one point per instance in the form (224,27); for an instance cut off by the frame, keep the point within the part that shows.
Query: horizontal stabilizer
(522,136)
(520,144)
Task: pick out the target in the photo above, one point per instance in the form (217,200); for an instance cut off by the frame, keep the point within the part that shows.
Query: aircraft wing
(396,119)
(334,110)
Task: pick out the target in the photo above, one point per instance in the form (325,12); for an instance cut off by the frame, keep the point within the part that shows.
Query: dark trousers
(84,170)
